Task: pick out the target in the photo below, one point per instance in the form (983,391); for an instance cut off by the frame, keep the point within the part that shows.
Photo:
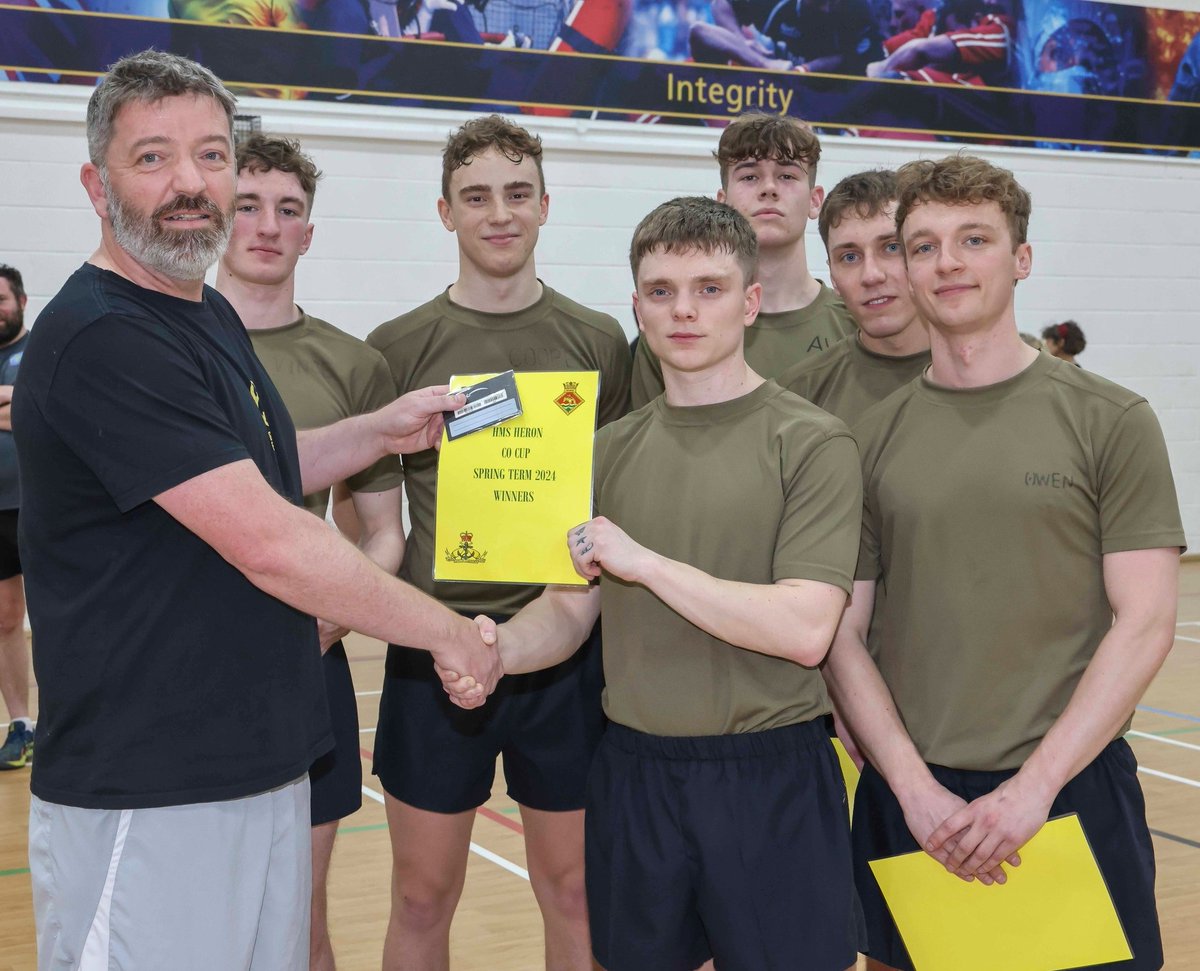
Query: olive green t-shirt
(987,513)
(774,342)
(848,379)
(324,375)
(758,489)
(439,339)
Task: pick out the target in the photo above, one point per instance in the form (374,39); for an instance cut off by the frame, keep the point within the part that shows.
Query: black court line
(1194,844)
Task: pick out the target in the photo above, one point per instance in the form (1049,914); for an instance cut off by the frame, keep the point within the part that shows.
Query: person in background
(17,751)
(768,172)
(866,265)
(1064,341)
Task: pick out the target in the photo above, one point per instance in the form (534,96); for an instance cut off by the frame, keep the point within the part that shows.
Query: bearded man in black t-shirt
(172,575)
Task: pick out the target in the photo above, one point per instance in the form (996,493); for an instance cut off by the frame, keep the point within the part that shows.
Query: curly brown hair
(267,153)
(961,180)
(761,136)
(696,223)
(491,131)
(864,195)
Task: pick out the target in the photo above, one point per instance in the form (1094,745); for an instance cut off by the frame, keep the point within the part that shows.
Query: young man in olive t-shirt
(437,763)
(716,821)
(866,265)
(768,166)
(1022,517)
(323,375)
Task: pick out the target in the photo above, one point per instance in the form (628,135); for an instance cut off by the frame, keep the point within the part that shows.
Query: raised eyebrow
(470,190)
(523,184)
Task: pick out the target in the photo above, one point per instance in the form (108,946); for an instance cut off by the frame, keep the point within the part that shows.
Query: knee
(422,904)
(563,892)
(12,619)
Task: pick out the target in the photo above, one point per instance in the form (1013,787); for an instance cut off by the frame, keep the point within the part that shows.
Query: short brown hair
(491,131)
(963,180)
(268,153)
(761,136)
(864,195)
(696,223)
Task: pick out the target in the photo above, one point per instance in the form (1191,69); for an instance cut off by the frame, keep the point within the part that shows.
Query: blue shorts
(734,847)
(1108,799)
(438,757)
(336,777)
(10,555)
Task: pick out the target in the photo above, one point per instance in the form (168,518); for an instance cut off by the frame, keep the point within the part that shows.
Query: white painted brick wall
(1115,240)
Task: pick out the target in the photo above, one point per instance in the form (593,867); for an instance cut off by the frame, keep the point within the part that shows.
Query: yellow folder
(508,494)
(1054,912)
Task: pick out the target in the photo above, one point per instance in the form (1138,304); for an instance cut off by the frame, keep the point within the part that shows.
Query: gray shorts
(219,885)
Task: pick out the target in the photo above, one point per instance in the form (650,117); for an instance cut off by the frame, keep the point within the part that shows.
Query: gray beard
(184,255)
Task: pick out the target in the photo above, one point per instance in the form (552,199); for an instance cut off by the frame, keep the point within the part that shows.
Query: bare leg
(429,866)
(14,652)
(878,966)
(320,948)
(554,848)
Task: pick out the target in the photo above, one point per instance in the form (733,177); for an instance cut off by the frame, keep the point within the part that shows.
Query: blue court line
(1169,714)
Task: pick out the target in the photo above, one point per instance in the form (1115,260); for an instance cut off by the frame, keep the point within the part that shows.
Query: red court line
(483,811)
(496,817)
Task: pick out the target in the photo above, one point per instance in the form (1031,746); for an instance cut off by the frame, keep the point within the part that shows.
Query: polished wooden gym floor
(497,927)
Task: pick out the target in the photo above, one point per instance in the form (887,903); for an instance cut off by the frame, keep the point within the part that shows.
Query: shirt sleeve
(614,384)
(819,529)
(1139,508)
(984,43)
(133,403)
(376,390)
(647,381)
(869,564)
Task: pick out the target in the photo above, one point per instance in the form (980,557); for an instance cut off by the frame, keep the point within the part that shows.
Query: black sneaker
(17,751)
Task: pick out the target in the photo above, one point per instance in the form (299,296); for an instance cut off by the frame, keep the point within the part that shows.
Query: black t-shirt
(10,362)
(165,677)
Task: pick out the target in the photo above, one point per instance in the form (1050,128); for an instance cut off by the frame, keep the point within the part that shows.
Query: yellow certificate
(1054,912)
(508,494)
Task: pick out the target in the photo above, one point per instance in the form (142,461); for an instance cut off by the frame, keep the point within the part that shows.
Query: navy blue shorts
(10,555)
(734,847)
(547,724)
(336,777)
(1108,799)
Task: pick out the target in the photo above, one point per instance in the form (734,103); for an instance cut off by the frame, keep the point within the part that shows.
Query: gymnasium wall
(1115,238)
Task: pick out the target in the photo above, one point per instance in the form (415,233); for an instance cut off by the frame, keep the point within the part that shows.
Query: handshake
(470,670)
